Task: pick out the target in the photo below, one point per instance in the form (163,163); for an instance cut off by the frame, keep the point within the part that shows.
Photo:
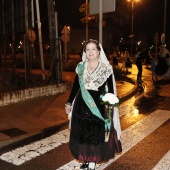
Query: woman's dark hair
(92,41)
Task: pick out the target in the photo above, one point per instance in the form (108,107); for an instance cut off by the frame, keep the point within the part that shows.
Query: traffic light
(65,34)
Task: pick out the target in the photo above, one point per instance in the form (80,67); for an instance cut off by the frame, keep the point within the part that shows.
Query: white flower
(110,98)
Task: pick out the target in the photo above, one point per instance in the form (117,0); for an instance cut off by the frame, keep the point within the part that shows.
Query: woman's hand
(68,108)
(110,107)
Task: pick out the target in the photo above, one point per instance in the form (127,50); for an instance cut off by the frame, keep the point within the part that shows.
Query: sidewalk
(37,118)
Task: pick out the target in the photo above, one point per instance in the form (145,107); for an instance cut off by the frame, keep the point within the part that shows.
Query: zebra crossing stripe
(164,163)
(131,136)
(28,152)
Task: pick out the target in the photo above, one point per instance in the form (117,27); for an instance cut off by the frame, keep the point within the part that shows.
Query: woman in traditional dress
(92,138)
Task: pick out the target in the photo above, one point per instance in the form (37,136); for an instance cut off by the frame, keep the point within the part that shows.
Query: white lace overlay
(94,80)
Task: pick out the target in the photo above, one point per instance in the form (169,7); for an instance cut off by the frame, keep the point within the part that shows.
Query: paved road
(145,122)
(145,147)
(40,115)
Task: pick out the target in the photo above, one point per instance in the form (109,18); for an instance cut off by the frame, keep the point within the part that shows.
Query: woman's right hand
(68,108)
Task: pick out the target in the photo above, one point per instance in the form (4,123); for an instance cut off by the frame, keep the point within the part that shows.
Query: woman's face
(92,53)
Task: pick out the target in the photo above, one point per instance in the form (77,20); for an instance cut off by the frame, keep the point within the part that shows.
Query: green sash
(88,98)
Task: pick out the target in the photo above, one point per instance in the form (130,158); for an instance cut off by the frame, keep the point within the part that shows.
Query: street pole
(57,53)
(164,27)
(26,42)
(65,38)
(132,28)
(100,20)
(156,44)
(65,44)
(51,26)
(32,10)
(40,39)
(56,25)
(87,20)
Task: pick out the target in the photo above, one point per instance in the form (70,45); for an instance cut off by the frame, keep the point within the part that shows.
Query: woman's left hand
(68,108)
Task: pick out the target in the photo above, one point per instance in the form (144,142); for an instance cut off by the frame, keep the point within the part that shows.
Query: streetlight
(132,34)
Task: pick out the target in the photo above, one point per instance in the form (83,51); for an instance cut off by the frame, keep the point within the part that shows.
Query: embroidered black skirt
(87,135)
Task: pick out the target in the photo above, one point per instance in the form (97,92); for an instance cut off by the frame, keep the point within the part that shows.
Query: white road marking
(130,137)
(28,152)
(164,163)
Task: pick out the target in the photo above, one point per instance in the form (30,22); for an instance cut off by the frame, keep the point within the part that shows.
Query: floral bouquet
(110,101)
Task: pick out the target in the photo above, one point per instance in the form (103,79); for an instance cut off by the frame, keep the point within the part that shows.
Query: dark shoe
(85,166)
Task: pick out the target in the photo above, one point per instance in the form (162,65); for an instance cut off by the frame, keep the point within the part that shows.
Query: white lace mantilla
(94,80)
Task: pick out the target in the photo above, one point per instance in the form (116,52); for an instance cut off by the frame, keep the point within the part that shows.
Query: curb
(30,93)
(130,93)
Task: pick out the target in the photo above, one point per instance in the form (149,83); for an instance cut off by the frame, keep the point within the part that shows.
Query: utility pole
(87,20)
(65,38)
(26,42)
(51,26)
(40,39)
(56,21)
(132,29)
(164,27)
(100,21)
(132,34)
(156,38)
(100,7)
(32,11)
(13,38)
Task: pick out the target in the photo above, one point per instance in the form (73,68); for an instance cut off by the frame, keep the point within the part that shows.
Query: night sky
(68,12)
(148,17)
(149,14)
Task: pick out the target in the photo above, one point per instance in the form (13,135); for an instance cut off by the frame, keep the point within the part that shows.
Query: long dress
(87,134)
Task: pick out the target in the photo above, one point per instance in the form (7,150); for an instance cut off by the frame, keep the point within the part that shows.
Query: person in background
(140,57)
(148,59)
(124,59)
(90,141)
(164,53)
(115,59)
(163,67)
(153,62)
(128,63)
